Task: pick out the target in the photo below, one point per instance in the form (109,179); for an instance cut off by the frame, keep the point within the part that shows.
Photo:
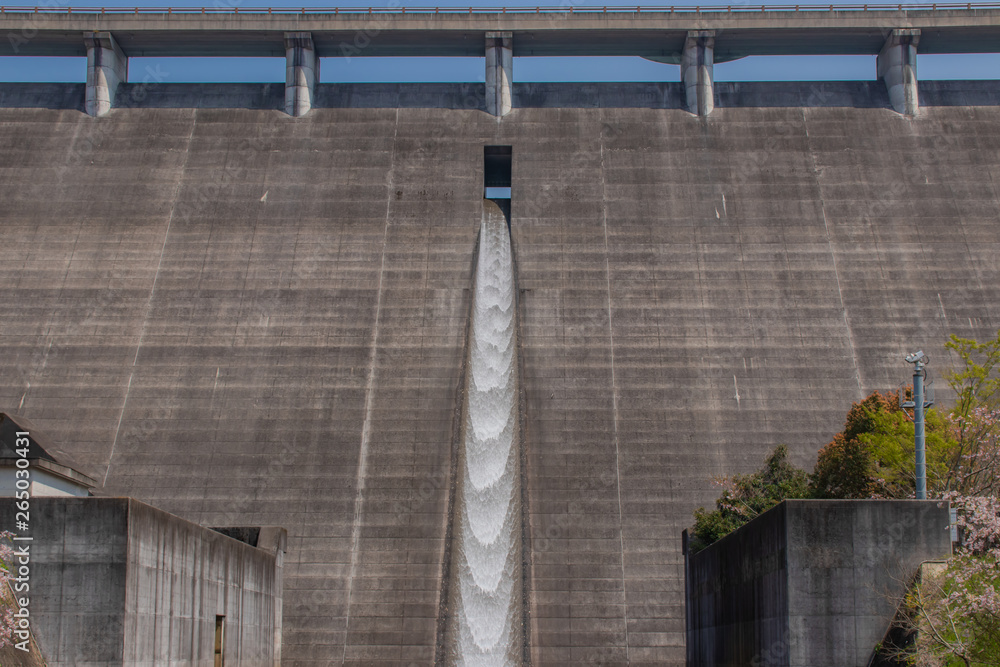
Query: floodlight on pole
(919,362)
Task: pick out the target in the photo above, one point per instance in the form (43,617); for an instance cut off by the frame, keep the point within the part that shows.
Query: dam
(249,304)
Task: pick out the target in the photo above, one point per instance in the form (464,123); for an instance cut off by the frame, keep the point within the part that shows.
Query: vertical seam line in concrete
(369,392)
(843,306)
(750,318)
(152,293)
(118,427)
(833,256)
(614,393)
(128,572)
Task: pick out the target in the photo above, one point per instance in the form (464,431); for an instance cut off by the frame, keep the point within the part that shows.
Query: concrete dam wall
(245,318)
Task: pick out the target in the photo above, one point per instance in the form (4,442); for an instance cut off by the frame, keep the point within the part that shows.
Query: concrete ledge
(66,473)
(778,94)
(626,95)
(959,93)
(202,96)
(42,95)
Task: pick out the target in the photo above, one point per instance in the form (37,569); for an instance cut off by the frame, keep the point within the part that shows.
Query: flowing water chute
(485,592)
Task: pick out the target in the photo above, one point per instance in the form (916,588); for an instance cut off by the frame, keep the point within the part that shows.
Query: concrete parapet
(696,71)
(107,66)
(301,73)
(499,72)
(897,66)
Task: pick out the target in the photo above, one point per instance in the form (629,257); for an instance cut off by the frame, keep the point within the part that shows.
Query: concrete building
(47,476)
(247,317)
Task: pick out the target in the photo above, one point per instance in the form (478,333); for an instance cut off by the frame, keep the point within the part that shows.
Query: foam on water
(486,591)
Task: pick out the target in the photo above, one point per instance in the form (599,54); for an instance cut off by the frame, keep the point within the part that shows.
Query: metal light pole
(919,361)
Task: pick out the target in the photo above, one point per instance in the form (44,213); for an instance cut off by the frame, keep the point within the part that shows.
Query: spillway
(485,624)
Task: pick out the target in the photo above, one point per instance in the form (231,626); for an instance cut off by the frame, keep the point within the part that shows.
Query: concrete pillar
(499,72)
(897,66)
(107,66)
(696,71)
(301,73)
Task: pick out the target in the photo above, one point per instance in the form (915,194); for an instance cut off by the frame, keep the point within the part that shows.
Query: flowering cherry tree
(974,462)
(956,611)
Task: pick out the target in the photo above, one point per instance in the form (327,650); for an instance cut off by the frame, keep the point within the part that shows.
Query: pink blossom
(6,610)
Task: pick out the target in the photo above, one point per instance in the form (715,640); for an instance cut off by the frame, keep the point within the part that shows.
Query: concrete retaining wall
(116,582)
(810,583)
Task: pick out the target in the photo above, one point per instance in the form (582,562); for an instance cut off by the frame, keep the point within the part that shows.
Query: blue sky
(792,68)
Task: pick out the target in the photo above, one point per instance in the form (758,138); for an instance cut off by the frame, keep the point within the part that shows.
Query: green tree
(747,496)
(977,383)
(872,457)
(847,467)
(972,465)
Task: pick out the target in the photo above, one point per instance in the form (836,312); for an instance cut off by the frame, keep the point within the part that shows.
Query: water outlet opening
(497,177)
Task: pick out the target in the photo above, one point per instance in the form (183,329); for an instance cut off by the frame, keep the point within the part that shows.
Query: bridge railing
(540,9)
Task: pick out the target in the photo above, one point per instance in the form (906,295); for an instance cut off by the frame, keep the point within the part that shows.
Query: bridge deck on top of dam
(654,32)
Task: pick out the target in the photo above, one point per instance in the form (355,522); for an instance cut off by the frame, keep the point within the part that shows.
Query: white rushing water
(486,582)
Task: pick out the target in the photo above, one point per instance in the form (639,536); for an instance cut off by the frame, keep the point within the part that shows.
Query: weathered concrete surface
(810,583)
(116,582)
(265,325)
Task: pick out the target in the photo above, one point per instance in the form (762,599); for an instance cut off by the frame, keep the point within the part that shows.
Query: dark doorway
(220,641)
